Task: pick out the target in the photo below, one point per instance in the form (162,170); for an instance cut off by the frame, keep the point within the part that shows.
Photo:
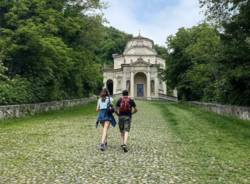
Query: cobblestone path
(64,150)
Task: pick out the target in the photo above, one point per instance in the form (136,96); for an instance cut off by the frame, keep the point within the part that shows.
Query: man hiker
(125,108)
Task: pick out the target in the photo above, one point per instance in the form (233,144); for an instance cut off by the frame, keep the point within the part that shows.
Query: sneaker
(102,147)
(125,148)
(106,145)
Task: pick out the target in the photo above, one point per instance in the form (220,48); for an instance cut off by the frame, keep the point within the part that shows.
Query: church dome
(140,46)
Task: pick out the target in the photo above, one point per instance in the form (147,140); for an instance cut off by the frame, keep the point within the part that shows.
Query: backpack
(125,105)
(110,107)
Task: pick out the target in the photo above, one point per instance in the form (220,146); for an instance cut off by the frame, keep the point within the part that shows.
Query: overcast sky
(156,19)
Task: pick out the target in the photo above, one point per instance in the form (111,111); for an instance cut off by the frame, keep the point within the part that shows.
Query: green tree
(234,17)
(114,42)
(51,44)
(222,10)
(192,67)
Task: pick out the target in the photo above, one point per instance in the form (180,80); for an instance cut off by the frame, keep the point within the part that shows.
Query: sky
(155,19)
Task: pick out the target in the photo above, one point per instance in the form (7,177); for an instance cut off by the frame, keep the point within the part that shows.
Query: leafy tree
(191,67)
(162,51)
(222,10)
(114,42)
(2,72)
(50,44)
(234,18)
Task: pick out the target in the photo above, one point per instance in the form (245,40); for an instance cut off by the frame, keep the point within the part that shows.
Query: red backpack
(125,104)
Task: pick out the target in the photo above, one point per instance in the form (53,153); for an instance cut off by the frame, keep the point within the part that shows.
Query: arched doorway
(140,87)
(110,86)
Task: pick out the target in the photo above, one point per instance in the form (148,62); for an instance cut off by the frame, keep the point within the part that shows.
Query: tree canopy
(52,50)
(191,64)
(211,65)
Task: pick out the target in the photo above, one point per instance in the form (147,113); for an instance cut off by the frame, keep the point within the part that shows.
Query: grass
(68,112)
(217,147)
(168,143)
(33,145)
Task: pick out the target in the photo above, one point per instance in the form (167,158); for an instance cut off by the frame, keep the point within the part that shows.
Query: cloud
(155,19)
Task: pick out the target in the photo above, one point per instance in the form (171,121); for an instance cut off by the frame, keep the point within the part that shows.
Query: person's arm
(111,100)
(135,110)
(117,111)
(98,106)
(117,107)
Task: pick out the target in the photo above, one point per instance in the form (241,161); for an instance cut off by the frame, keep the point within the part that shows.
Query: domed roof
(140,46)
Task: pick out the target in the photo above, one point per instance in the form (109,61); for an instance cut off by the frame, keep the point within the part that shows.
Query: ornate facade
(136,70)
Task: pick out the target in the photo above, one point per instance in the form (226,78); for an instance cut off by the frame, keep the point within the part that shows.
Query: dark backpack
(125,105)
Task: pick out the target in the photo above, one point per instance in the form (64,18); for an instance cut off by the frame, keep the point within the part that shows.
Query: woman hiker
(105,117)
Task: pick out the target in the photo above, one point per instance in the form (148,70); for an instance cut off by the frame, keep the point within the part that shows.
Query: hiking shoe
(102,147)
(125,148)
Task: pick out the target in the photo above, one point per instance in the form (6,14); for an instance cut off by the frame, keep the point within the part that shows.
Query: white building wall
(149,66)
(118,62)
(141,42)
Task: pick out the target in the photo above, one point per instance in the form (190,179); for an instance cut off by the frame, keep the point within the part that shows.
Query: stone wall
(228,110)
(166,97)
(15,111)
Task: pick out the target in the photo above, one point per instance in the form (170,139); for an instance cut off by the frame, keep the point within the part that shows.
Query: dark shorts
(124,123)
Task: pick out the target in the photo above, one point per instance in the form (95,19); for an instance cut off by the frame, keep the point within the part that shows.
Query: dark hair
(104,93)
(125,92)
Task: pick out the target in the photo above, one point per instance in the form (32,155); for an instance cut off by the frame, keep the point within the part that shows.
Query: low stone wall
(160,97)
(168,98)
(229,110)
(15,111)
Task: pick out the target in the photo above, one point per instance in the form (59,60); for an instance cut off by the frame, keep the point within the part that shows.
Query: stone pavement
(64,150)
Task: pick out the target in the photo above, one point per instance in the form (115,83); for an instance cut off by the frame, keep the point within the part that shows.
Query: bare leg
(106,138)
(122,138)
(125,137)
(104,132)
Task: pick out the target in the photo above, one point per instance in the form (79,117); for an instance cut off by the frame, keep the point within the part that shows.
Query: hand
(135,111)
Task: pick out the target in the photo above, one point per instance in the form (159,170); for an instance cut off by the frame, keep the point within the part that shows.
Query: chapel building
(137,69)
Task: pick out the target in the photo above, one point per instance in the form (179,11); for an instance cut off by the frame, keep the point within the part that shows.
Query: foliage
(214,144)
(222,10)
(191,66)
(114,42)
(236,48)
(15,91)
(50,45)
(2,72)
(213,66)
(161,51)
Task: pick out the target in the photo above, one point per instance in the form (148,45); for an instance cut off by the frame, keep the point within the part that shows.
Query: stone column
(124,81)
(104,82)
(148,86)
(156,87)
(175,93)
(164,87)
(132,84)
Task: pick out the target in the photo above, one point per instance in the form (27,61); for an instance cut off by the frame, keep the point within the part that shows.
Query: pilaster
(132,84)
